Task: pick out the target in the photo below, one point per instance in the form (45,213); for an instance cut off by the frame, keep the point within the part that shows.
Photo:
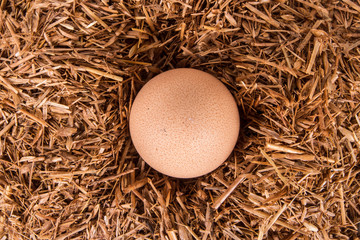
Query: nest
(70,70)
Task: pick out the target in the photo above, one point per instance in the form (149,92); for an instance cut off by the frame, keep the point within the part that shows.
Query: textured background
(69,71)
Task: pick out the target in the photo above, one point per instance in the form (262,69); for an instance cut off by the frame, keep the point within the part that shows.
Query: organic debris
(70,70)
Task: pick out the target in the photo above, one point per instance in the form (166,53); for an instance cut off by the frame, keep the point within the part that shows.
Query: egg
(184,123)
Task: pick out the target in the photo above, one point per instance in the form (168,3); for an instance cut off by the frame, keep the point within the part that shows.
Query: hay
(70,70)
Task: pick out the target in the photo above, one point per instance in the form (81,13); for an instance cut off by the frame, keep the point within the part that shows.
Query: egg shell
(184,123)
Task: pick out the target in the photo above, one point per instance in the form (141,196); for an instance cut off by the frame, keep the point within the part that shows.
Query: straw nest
(70,70)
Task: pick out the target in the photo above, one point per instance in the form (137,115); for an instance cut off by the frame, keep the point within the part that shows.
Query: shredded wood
(70,70)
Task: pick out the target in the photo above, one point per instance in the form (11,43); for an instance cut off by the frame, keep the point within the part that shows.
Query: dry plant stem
(265,215)
(232,187)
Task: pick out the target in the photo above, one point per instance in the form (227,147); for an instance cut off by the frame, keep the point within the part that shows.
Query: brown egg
(184,123)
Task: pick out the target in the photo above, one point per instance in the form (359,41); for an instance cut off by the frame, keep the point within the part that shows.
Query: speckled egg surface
(184,123)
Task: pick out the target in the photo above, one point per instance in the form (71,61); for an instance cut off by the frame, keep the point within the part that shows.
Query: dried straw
(70,70)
